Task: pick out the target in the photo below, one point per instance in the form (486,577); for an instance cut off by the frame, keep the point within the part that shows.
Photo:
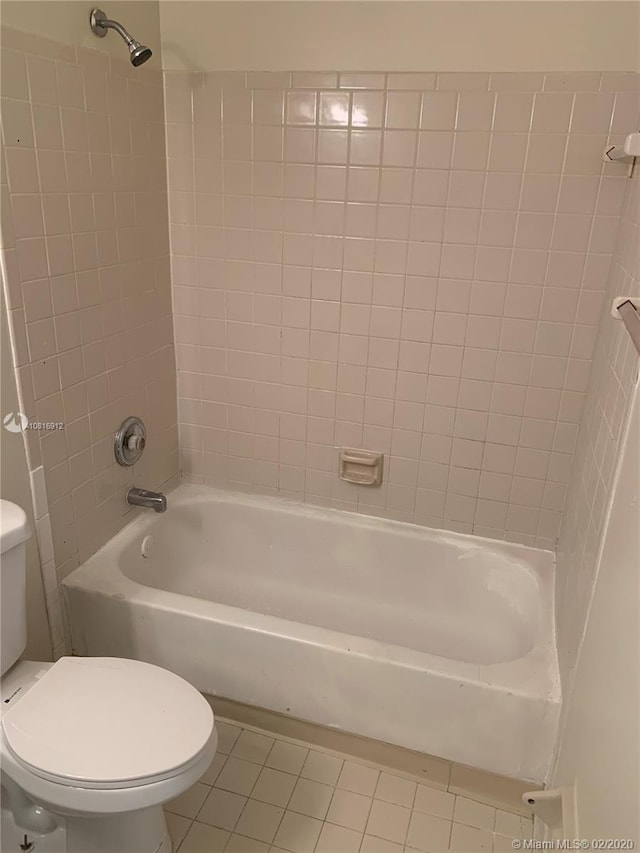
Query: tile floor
(271,794)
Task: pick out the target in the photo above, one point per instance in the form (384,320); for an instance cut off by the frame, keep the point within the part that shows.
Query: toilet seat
(108,723)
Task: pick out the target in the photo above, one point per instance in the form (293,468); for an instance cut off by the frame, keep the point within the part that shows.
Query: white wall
(400,36)
(68,21)
(600,748)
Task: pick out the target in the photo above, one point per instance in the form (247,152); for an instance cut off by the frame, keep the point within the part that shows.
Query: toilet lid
(102,721)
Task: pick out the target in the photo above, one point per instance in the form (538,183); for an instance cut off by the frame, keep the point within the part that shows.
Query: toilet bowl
(101,743)
(96,743)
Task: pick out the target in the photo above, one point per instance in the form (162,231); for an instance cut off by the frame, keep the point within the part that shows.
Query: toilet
(94,744)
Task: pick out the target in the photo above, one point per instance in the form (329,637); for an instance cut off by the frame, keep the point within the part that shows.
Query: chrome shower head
(138,53)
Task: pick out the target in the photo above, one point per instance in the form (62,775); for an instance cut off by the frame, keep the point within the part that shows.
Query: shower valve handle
(136,442)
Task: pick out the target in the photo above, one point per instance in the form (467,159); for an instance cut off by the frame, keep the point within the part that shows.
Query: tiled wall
(602,428)
(410,263)
(87,277)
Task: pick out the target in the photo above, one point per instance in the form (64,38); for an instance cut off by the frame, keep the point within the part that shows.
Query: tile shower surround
(86,263)
(602,430)
(410,263)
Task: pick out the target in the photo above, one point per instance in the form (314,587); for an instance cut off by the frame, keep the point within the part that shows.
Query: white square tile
(252,747)
(178,827)
(243,844)
(395,789)
(428,832)
(204,839)
(222,809)
(274,787)
(311,798)
(297,833)
(321,767)
(349,809)
(358,778)
(287,757)
(502,843)
(434,802)
(238,776)
(227,736)
(211,774)
(189,803)
(259,820)
(475,814)
(334,838)
(389,821)
(513,825)
(468,839)
(372,844)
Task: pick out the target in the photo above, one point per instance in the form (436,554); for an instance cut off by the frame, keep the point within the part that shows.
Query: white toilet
(95,743)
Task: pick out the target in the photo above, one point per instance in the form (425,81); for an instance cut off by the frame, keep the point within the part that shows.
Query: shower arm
(100,24)
(114,25)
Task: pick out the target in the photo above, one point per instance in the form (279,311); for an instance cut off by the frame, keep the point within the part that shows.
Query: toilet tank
(14,532)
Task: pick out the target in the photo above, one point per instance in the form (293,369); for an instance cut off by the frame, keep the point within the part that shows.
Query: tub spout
(143,497)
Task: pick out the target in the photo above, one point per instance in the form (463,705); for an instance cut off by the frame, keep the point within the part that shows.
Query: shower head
(138,53)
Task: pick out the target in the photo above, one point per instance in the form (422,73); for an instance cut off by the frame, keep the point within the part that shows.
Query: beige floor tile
(468,839)
(259,820)
(242,844)
(204,839)
(371,844)
(337,839)
(389,821)
(434,801)
(395,789)
(227,736)
(287,757)
(321,767)
(222,809)
(274,787)
(252,747)
(297,833)
(277,796)
(211,774)
(189,803)
(349,810)
(472,813)
(311,798)
(238,776)
(428,832)
(358,778)
(177,827)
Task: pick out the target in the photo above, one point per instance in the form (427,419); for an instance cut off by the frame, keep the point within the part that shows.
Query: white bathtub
(434,641)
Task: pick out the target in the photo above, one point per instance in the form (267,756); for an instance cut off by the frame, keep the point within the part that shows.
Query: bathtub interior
(458,597)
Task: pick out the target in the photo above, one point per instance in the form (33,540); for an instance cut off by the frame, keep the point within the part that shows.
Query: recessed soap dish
(362,467)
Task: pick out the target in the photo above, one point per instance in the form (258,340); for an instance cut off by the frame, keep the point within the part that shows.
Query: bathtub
(434,641)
